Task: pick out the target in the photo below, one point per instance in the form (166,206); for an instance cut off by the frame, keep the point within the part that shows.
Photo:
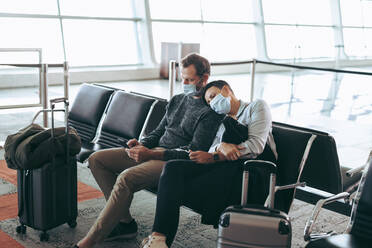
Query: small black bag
(235,132)
(33,146)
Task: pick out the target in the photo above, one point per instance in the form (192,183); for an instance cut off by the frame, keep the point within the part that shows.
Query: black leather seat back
(87,109)
(125,118)
(362,217)
(156,116)
(290,145)
(322,170)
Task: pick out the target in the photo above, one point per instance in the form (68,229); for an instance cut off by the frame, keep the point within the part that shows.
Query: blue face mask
(189,88)
(221,104)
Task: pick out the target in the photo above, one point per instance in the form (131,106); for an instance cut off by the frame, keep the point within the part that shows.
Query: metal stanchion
(253,71)
(172,77)
(44,92)
(66,77)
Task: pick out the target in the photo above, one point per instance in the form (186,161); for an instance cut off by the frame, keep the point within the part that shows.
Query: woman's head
(218,95)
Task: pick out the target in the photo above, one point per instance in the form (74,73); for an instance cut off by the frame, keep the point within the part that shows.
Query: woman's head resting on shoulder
(220,97)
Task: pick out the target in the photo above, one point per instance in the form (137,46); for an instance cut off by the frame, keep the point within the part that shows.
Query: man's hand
(139,153)
(201,157)
(133,142)
(230,151)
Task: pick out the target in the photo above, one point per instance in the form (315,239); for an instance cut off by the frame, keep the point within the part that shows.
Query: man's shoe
(155,242)
(123,230)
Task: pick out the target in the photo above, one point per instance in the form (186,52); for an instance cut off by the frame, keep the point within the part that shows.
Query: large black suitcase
(252,225)
(47,196)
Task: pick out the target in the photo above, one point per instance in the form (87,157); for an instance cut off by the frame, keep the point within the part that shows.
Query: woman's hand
(201,157)
(230,151)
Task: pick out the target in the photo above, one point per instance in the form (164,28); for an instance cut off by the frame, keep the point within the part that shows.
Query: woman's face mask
(221,104)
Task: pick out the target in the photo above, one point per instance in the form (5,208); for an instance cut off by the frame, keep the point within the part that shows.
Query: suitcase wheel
(21,229)
(72,223)
(44,236)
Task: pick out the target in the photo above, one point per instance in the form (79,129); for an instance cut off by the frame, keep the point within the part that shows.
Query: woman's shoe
(154,242)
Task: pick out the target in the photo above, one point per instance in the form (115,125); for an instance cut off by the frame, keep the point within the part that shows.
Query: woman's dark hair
(201,64)
(217,83)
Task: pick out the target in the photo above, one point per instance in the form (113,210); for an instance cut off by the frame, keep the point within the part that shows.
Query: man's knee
(95,160)
(126,181)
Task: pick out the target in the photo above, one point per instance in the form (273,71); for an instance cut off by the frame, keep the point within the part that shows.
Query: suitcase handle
(261,164)
(52,106)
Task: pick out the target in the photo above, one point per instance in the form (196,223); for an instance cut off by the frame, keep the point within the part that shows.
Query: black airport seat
(292,144)
(87,109)
(126,118)
(359,230)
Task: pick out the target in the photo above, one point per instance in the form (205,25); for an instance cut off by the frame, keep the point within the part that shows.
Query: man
(188,124)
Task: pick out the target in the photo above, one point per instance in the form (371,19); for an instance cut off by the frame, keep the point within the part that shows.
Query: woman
(211,187)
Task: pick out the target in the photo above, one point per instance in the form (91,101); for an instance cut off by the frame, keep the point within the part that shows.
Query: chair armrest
(351,172)
(319,205)
(261,164)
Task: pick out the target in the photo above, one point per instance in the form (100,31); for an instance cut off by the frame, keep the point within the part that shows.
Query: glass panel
(175,9)
(175,32)
(356,12)
(107,8)
(239,44)
(33,33)
(284,42)
(358,41)
(351,12)
(29,7)
(90,42)
(297,11)
(221,10)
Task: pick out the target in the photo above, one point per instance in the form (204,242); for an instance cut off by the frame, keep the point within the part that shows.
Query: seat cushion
(340,241)
(88,148)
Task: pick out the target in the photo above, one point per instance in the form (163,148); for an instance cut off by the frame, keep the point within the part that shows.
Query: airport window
(357,31)
(98,8)
(97,42)
(311,12)
(290,33)
(175,9)
(228,11)
(213,24)
(29,7)
(358,42)
(32,33)
(287,42)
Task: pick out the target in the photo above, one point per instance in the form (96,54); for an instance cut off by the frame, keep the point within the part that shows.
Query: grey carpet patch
(7,188)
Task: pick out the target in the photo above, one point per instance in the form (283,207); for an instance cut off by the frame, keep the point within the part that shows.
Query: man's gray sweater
(188,124)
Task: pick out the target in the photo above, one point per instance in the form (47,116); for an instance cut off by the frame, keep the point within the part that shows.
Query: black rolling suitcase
(47,196)
(253,225)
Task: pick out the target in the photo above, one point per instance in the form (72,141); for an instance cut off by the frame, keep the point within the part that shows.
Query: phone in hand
(123,142)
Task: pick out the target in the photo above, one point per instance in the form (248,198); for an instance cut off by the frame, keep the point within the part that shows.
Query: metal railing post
(253,71)
(66,77)
(44,92)
(172,77)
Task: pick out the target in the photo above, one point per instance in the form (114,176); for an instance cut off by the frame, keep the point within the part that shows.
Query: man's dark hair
(217,83)
(201,64)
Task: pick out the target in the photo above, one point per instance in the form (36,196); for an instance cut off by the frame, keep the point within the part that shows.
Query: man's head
(218,94)
(195,71)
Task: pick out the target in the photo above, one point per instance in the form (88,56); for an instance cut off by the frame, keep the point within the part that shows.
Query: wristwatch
(215,156)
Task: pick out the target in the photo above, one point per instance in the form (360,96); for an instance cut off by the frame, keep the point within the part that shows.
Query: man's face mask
(192,88)
(221,104)
(189,88)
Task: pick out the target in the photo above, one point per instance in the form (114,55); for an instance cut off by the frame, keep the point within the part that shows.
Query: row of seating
(102,115)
